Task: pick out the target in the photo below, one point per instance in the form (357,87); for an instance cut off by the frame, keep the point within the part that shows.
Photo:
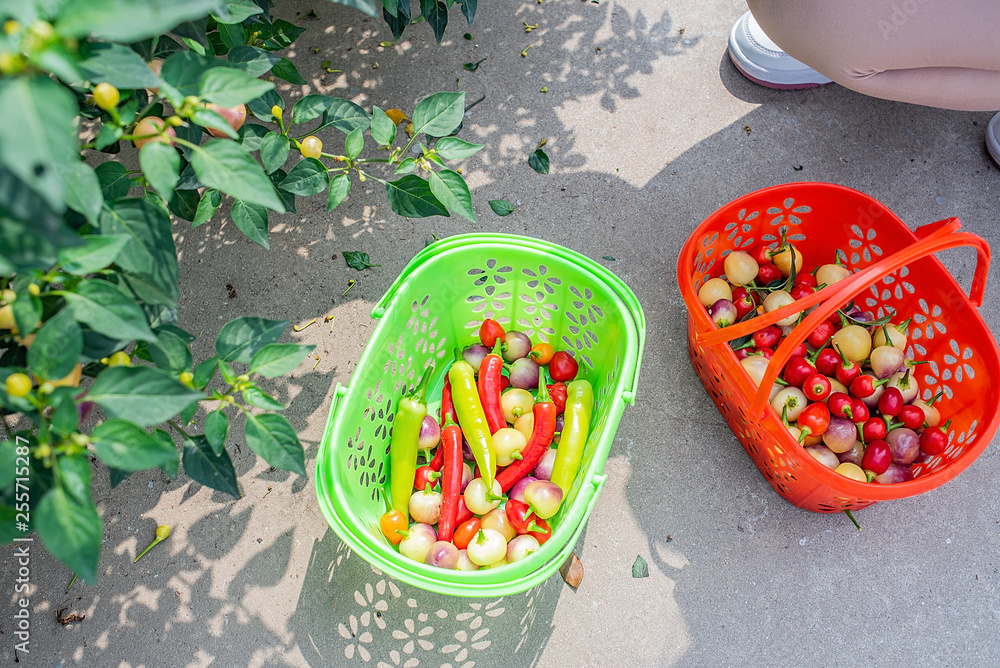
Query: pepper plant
(88,266)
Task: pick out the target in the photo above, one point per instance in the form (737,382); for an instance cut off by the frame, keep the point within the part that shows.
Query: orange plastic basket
(894,271)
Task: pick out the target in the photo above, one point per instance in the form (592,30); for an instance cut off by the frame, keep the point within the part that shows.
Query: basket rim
(699,321)
(540,566)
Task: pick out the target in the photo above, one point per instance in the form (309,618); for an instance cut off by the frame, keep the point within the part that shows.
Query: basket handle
(867,276)
(937,240)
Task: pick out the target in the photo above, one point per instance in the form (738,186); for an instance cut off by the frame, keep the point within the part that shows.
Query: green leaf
(209,118)
(308,177)
(453,148)
(345,116)
(114,180)
(184,203)
(539,161)
(207,207)
(287,198)
(398,20)
(251,135)
(469,9)
(436,15)
(117,21)
(37,134)
(280,35)
(236,11)
(75,476)
(608,257)
(83,189)
(383,129)
(56,58)
(274,439)
(406,166)
(27,312)
(472,67)
(640,569)
(501,207)
(358,260)
(284,69)
(149,257)
(252,60)
(411,196)
(229,87)
(340,185)
(8,460)
(391,6)
(252,221)
(274,150)
(97,252)
(107,135)
(231,36)
(209,468)
(161,166)
(144,395)
(450,188)
(203,373)
(366,6)
(108,310)
(355,143)
(126,446)
(216,426)
(65,418)
(240,339)
(119,66)
(57,347)
(310,107)
(277,359)
(117,476)
(184,71)
(227,372)
(260,399)
(169,351)
(170,466)
(71,531)
(226,166)
(439,114)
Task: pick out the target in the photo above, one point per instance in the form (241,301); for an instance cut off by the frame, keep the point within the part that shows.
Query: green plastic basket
(437,305)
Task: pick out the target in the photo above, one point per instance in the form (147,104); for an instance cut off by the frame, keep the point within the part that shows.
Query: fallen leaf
(501,207)
(572,570)
(232,290)
(746,129)
(472,67)
(358,260)
(396,116)
(608,257)
(70,618)
(386,45)
(468,36)
(539,161)
(640,569)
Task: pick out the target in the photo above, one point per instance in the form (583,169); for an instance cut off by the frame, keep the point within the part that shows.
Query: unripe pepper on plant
(403,446)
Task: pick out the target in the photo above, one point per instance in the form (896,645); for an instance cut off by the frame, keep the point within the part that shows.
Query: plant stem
(70,585)
(178,428)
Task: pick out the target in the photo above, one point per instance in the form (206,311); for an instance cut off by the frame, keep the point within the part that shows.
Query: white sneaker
(993,138)
(762,61)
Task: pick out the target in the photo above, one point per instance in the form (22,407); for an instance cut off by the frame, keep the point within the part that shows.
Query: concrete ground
(649,130)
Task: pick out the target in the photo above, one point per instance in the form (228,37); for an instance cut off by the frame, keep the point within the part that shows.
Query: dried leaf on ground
(572,571)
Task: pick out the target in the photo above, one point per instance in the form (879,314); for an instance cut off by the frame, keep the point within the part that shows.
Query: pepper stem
(448,422)
(419,393)
(904,327)
(148,548)
(940,393)
(533,526)
(851,517)
(543,391)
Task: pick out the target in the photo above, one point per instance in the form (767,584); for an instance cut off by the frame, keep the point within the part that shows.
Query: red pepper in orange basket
(451,478)
(521,519)
(489,389)
(544,411)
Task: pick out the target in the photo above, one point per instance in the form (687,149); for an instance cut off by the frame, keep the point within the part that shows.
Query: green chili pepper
(403,446)
(576,427)
(472,419)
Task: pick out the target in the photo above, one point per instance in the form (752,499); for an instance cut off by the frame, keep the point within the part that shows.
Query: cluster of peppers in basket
(459,522)
(847,394)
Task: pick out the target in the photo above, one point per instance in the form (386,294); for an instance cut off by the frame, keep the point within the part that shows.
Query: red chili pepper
(800,368)
(827,362)
(544,411)
(864,386)
(490,332)
(799,291)
(504,382)
(847,370)
(800,351)
(489,389)
(558,393)
(840,405)
(934,439)
(465,532)
(768,273)
(451,478)
(522,520)
(877,457)
(817,387)
(767,337)
(824,332)
(806,278)
(767,353)
(762,254)
(425,476)
(891,402)
(743,301)
(813,420)
(860,411)
(912,416)
(447,413)
(874,430)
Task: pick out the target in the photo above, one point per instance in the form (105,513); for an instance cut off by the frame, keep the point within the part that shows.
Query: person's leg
(940,54)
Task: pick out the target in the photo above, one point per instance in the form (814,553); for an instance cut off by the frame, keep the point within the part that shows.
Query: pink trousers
(939,53)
